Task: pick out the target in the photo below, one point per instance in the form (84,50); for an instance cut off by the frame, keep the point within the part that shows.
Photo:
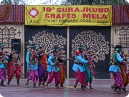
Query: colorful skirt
(62,73)
(43,75)
(2,74)
(118,80)
(33,75)
(80,76)
(88,75)
(124,75)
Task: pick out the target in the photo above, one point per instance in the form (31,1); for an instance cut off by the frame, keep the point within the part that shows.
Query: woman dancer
(31,59)
(14,67)
(114,69)
(89,69)
(42,66)
(79,69)
(53,69)
(3,61)
(61,60)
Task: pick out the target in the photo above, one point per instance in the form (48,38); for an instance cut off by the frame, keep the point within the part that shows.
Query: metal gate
(47,37)
(98,40)
(95,38)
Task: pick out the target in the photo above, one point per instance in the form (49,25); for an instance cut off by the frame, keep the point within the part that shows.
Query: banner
(89,15)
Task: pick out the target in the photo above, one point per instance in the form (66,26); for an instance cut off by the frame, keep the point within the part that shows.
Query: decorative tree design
(6,34)
(48,40)
(94,41)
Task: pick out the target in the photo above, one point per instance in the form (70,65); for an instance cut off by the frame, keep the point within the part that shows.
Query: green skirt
(88,75)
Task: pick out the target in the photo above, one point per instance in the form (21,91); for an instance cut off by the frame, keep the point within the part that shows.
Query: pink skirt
(118,81)
(3,74)
(80,76)
(33,75)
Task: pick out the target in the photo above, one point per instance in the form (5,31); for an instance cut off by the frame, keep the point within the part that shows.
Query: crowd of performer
(11,62)
(42,68)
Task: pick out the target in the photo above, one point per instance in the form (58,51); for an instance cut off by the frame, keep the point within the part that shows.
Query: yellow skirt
(124,76)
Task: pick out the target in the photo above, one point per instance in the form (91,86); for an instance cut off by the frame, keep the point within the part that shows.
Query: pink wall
(120,15)
(16,14)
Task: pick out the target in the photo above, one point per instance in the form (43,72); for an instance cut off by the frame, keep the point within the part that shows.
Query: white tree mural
(48,40)
(94,41)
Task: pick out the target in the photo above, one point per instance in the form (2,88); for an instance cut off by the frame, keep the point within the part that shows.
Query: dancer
(31,59)
(114,69)
(127,64)
(124,71)
(53,69)
(61,60)
(14,67)
(42,66)
(89,69)
(27,58)
(3,61)
(79,69)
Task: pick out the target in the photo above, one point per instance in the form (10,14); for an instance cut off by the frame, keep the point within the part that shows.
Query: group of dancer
(84,68)
(119,68)
(39,66)
(11,63)
(43,68)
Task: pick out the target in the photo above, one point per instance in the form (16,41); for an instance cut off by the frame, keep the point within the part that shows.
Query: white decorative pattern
(95,41)
(48,40)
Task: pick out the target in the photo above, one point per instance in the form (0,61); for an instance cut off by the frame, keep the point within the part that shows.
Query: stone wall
(120,35)
(7,32)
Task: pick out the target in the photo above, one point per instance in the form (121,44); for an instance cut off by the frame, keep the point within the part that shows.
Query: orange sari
(62,73)
(44,63)
(124,75)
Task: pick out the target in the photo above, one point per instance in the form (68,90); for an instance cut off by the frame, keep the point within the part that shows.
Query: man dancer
(53,69)
(14,67)
(3,58)
(31,59)
(79,68)
(42,66)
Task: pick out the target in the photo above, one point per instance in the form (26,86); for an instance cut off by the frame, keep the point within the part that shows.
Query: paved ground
(101,89)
